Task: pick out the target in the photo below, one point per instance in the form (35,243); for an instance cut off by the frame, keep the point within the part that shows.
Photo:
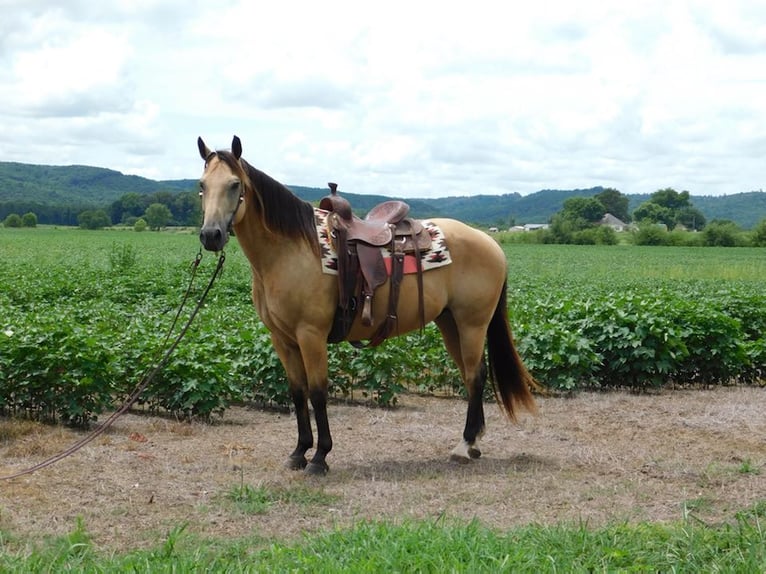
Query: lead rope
(148,373)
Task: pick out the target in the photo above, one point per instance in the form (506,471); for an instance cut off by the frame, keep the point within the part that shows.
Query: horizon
(434,197)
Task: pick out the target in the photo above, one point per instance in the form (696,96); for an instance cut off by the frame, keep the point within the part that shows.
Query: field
(608,474)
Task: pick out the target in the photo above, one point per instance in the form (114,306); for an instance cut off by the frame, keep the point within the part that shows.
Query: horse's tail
(511,381)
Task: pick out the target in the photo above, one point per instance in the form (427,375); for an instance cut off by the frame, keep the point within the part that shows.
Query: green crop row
(640,338)
(84,315)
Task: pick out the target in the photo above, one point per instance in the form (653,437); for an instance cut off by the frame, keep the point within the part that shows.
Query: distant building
(529,227)
(614,222)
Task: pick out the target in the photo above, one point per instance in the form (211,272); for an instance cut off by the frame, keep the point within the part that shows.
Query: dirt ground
(597,458)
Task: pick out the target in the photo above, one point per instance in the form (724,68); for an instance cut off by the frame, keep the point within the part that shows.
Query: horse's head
(222,189)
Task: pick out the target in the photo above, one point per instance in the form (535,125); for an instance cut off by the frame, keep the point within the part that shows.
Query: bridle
(240,200)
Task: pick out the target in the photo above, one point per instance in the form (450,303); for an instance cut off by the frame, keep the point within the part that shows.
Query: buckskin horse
(298,301)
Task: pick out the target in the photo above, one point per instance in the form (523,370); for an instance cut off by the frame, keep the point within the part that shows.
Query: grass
(627,264)
(249,499)
(424,546)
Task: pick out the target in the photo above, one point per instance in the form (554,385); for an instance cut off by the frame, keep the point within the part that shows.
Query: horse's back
(475,255)
(470,285)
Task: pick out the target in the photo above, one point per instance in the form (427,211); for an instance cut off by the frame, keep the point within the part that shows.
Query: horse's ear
(236,147)
(203,149)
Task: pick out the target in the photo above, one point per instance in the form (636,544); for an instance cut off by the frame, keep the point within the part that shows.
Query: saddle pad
(437,256)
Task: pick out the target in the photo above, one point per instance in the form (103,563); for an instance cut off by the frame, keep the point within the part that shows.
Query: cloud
(397,98)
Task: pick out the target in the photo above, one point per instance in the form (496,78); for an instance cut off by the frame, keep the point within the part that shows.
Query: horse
(297,301)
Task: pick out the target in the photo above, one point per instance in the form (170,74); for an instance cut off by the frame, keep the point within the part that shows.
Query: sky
(402,98)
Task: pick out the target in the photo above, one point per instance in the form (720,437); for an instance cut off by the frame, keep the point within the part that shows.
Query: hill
(28,187)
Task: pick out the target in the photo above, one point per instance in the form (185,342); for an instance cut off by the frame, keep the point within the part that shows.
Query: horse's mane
(282,211)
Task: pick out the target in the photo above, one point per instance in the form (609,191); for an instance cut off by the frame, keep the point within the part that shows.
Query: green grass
(422,546)
(628,264)
(249,499)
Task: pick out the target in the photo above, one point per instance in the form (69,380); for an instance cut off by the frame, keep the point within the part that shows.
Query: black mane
(283,212)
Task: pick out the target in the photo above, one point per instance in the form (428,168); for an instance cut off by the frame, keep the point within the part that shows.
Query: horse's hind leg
(462,346)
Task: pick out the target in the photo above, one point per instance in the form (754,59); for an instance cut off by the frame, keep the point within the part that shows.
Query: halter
(239,201)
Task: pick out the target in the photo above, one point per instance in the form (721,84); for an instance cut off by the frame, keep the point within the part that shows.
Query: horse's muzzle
(213,238)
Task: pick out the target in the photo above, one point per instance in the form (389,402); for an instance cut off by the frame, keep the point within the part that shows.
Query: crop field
(648,452)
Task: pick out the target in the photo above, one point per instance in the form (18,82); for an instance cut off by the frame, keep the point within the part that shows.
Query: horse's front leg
(313,348)
(290,356)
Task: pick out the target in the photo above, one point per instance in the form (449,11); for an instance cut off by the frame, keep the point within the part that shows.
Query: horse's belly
(408,317)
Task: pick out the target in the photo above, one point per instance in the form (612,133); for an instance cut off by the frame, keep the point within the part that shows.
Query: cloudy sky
(416,99)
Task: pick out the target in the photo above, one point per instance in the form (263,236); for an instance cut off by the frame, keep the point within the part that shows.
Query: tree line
(156,210)
(668,217)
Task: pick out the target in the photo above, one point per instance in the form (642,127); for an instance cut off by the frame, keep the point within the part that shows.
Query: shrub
(722,234)
(122,257)
(29,219)
(650,234)
(93,219)
(12,220)
(759,234)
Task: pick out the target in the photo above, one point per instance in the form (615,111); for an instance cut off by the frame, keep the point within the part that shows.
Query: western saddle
(358,243)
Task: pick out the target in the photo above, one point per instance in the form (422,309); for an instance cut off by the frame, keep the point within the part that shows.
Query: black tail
(511,381)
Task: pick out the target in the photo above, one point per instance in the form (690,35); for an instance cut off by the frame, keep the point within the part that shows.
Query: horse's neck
(266,250)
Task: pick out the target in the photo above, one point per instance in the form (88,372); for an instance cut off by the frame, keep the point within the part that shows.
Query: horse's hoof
(296,463)
(316,469)
(474,452)
(459,459)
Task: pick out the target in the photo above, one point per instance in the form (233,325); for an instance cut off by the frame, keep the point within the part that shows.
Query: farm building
(614,222)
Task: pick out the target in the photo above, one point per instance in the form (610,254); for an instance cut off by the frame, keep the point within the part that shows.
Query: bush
(93,219)
(759,234)
(722,234)
(12,220)
(29,220)
(599,235)
(140,224)
(122,257)
(650,234)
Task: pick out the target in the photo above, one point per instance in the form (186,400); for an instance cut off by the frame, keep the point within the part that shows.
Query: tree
(691,218)
(615,203)
(93,219)
(29,219)
(759,234)
(157,215)
(671,208)
(13,220)
(650,212)
(140,224)
(129,205)
(670,198)
(583,212)
(186,208)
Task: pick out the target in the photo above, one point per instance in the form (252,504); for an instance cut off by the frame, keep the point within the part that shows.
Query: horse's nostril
(212,239)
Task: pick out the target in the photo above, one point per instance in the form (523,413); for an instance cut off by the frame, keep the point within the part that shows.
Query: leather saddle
(358,243)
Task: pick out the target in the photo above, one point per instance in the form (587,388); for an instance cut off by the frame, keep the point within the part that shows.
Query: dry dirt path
(597,458)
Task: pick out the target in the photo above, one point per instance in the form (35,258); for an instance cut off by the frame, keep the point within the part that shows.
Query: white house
(614,222)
